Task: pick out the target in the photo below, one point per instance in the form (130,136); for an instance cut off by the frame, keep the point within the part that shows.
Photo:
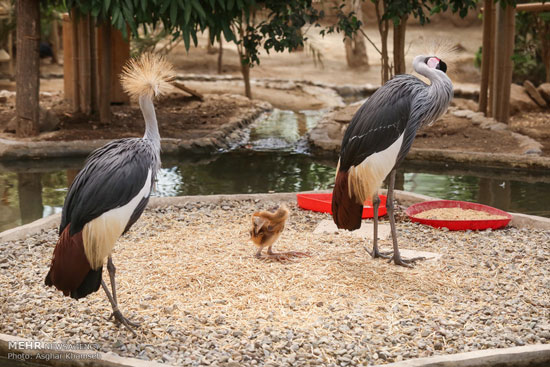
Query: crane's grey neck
(435,76)
(151,126)
(440,90)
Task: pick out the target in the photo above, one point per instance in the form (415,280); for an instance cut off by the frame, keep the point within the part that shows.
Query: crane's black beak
(442,66)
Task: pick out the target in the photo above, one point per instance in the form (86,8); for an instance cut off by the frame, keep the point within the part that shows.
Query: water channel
(272,159)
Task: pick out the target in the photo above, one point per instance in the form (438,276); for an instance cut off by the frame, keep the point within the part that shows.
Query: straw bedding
(189,275)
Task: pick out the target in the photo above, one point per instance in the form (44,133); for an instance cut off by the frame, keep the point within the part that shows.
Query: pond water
(272,159)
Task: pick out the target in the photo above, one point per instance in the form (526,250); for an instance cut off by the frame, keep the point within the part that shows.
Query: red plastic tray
(458,225)
(323,203)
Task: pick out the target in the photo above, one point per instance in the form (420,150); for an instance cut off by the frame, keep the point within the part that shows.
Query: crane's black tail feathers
(90,284)
(346,211)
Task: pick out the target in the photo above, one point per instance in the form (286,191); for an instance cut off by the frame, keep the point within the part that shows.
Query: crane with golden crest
(110,193)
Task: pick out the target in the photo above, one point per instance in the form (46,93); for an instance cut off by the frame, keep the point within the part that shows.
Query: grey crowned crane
(110,193)
(379,137)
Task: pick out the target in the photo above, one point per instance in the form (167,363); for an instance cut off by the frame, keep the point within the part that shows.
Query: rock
(464,104)
(327,135)
(534,93)
(9,126)
(48,121)
(544,90)
(344,115)
(520,101)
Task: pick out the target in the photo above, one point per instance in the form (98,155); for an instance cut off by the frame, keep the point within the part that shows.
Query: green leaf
(222,4)
(198,8)
(187,12)
(227,33)
(230,4)
(106,6)
(165,5)
(173,12)
(185,35)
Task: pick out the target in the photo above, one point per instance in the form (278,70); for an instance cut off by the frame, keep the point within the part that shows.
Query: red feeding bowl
(323,203)
(458,225)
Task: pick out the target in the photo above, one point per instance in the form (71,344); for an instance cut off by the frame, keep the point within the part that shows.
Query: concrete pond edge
(404,198)
(222,138)
(537,355)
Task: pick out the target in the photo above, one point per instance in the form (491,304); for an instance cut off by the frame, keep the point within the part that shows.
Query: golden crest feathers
(148,74)
(443,50)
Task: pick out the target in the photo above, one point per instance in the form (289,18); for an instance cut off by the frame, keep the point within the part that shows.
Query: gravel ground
(189,276)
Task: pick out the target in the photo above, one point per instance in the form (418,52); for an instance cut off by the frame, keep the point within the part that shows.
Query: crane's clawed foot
(120,319)
(408,263)
(283,256)
(377,254)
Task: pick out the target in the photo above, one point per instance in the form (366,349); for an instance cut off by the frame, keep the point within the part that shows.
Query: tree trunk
(543,32)
(399,66)
(105,73)
(94,66)
(75,101)
(356,50)
(84,64)
(27,66)
(245,69)
(383,27)
(486,55)
(503,65)
(220,57)
(54,39)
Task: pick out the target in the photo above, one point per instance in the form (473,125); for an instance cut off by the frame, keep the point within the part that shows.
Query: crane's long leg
(375,252)
(112,270)
(113,299)
(390,206)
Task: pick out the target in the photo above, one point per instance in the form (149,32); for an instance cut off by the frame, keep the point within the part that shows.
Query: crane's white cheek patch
(367,177)
(99,235)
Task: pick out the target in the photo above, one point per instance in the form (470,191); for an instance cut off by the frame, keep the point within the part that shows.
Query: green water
(35,189)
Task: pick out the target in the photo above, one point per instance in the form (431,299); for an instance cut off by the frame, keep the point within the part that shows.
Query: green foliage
(477,57)
(527,57)
(346,23)
(49,11)
(423,9)
(279,28)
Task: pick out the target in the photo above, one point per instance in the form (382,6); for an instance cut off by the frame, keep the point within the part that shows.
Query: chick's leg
(284,256)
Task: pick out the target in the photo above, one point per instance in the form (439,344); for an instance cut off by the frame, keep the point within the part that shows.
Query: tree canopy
(278,29)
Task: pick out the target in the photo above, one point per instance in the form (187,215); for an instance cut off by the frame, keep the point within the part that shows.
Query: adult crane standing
(110,193)
(379,137)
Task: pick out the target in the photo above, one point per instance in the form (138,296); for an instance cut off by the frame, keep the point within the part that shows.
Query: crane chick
(267,227)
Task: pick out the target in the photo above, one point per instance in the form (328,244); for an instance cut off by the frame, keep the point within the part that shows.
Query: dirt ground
(181,116)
